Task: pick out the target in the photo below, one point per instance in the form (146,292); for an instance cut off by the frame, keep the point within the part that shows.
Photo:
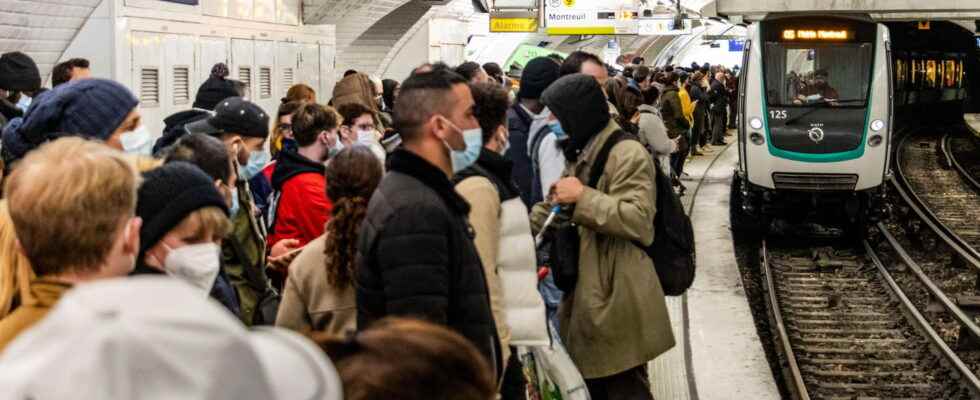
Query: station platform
(718,353)
(973,122)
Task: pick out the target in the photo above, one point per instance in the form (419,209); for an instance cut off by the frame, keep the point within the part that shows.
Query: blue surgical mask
(235,207)
(137,141)
(24,103)
(557,129)
(256,161)
(462,159)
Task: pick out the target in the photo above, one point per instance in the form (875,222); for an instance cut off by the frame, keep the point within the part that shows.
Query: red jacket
(302,209)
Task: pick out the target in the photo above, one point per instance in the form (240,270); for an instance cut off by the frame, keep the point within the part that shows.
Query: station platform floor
(973,121)
(718,353)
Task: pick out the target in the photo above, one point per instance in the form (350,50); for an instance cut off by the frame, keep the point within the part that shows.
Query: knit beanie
(168,195)
(581,108)
(216,88)
(538,74)
(19,73)
(91,108)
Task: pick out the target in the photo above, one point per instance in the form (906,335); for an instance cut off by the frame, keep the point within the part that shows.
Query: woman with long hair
(319,291)
(15,271)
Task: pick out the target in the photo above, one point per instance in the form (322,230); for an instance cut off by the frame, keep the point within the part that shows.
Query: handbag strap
(599,165)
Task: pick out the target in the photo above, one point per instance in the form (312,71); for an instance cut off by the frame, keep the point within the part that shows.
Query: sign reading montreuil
(592,17)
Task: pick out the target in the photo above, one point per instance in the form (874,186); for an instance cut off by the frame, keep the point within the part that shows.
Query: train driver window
(819,74)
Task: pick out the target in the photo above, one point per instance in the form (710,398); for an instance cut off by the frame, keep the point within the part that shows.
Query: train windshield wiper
(819,102)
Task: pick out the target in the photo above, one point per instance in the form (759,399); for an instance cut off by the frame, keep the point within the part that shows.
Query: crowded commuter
(92,108)
(526,120)
(247,279)
(15,271)
(503,236)
(546,158)
(19,80)
(282,137)
(214,90)
(495,73)
(71,70)
(416,207)
(672,112)
(185,218)
(319,292)
(359,126)
(696,89)
(615,320)
(731,83)
(642,76)
(718,99)
(402,359)
(300,205)
(355,88)
(243,126)
(472,72)
(72,203)
(653,132)
(154,338)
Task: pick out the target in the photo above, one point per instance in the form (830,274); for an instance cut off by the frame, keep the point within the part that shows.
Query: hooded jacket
(173,128)
(300,205)
(672,111)
(581,108)
(416,256)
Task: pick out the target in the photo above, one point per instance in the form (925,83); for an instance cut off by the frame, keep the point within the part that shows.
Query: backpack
(672,250)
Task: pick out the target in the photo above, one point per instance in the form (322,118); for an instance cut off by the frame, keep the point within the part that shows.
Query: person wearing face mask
(416,252)
(359,127)
(300,207)
(243,127)
(185,218)
(72,204)
(92,108)
(615,319)
(499,219)
(248,280)
(18,75)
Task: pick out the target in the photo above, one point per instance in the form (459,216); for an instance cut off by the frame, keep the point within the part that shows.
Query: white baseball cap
(148,338)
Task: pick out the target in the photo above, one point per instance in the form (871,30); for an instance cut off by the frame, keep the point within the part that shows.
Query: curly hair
(352,176)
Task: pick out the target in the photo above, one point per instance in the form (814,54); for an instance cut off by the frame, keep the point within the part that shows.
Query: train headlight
(875,140)
(757,138)
(755,123)
(877,125)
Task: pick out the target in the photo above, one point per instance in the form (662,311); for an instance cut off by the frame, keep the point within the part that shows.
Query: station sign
(514,21)
(591,17)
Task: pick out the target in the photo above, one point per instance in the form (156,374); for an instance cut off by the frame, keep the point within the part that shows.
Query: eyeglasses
(284,127)
(364,127)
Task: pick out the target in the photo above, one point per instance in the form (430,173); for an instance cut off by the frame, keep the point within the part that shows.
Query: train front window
(818,75)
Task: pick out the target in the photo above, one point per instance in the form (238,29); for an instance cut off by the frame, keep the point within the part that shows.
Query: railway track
(963,154)
(938,197)
(839,337)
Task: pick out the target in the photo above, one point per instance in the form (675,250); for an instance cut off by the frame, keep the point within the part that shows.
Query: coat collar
(409,163)
(46,292)
(591,150)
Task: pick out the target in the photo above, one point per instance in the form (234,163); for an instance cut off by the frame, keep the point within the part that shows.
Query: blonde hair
(207,218)
(68,200)
(15,271)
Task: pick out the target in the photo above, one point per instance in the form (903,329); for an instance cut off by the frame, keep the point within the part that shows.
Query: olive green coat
(616,318)
(243,257)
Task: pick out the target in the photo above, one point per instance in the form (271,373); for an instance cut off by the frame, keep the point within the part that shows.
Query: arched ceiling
(42,28)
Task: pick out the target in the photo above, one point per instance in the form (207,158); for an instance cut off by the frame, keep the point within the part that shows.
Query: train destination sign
(816,34)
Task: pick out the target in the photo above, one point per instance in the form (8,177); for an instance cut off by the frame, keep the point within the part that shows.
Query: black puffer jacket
(416,256)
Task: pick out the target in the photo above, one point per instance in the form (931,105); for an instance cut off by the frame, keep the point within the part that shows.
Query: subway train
(815,122)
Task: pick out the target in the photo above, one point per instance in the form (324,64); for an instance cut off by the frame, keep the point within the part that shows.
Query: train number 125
(777,114)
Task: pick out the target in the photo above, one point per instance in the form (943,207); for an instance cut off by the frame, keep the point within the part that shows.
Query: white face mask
(197,264)
(367,137)
(137,141)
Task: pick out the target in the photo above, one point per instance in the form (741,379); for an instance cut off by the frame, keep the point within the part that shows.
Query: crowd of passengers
(379,246)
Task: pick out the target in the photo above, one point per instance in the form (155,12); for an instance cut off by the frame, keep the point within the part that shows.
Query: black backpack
(672,249)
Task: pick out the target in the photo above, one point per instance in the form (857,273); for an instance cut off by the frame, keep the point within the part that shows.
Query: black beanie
(168,195)
(581,108)
(212,91)
(538,74)
(19,73)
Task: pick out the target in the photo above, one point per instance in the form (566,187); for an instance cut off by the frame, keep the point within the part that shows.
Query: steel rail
(965,374)
(967,177)
(792,365)
(901,184)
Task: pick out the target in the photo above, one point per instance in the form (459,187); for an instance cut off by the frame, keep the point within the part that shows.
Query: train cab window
(818,74)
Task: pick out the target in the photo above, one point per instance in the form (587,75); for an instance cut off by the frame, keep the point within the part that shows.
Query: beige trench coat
(616,318)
